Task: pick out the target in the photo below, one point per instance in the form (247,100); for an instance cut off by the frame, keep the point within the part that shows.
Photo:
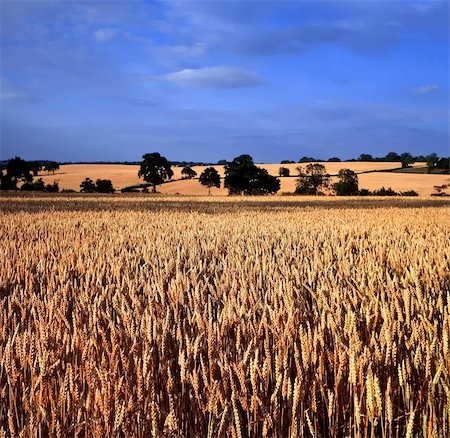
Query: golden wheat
(135,317)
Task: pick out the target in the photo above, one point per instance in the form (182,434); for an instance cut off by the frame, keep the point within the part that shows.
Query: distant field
(421,169)
(122,175)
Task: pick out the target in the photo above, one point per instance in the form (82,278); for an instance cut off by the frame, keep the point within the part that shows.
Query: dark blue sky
(206,80)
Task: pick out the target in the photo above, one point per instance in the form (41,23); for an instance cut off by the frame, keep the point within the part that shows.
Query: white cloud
(214,77)
(426,89)
(107,34)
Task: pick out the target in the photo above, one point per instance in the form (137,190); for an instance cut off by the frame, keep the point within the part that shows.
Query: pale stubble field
(70,176)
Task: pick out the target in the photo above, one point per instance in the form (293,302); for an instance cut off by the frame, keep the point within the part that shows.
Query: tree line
(18,171)
(242,177)
(433,161)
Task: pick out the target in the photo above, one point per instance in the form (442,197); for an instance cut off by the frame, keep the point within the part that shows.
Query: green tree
(347,184)
(306,160)
(407,159)
(284,171)
(385,192)
(155,169)
(242,177)
(238,174)
(35,167)
(6,182)
(312,179)
(443,163)
(51,166)
(432,160)
(262,183)
(17,170)
(334,160)
(392,156)
(188,172)
(36,186)
(210,178)
(52,187)
(87,186)
(365,157)
(104,186)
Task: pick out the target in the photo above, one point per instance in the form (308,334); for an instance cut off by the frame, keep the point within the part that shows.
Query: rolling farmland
(70,177)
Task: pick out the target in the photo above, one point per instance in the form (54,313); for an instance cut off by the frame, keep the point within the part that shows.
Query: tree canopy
(87,186)
(155,169)
(188,172)
(104,186)
(432,160)
(51,166)
(347,184)
(392,156)
(312,179)
(17,170)
(365,157)
(100,186)
(210,178)
(407,159)
(284,171)
(242,177)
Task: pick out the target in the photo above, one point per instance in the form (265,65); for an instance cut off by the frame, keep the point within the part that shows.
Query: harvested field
(181,316)
(422,183)
(70,176)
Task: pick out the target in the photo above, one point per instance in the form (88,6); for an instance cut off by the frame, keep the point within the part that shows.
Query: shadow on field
(14,202)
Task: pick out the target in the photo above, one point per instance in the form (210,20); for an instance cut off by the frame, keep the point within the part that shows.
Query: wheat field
(159,316)
(70,176)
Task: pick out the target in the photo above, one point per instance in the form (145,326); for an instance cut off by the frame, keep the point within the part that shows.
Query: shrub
(347,184)
(409,193)
(284,171)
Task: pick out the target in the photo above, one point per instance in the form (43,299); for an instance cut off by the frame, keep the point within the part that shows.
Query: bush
(39,186)
(409,193)
(385,192)
(104,186)
(100,186)
(365,192)
(284,171)
(440,190)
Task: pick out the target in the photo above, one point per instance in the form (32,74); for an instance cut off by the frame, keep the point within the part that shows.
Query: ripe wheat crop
(206,321)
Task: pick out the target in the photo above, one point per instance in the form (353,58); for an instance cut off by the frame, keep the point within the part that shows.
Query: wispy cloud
(137,38)
(11,92)
(197,49)
(426,89)
(214,77)
(106,34)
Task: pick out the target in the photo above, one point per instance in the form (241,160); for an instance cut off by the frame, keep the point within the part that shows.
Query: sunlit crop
(206,321)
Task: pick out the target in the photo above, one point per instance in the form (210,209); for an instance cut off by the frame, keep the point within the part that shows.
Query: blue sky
(209,80)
